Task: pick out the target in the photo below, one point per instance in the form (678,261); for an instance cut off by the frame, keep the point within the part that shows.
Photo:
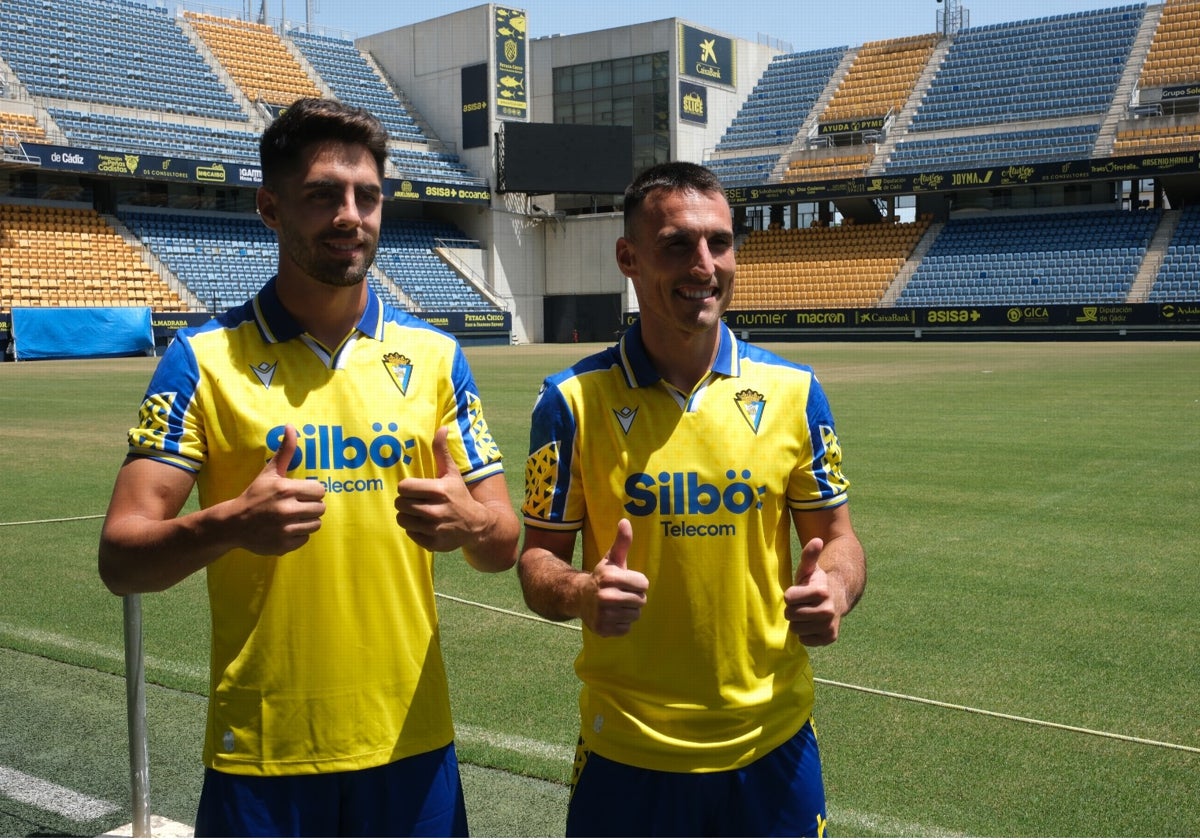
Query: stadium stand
(408,256)
(875,88)
(997,81)
(122,76)
(828,167)
(255,57)
(223,259)
(1178,277)
(1067,257)
(433,166)
(94,130)
(1174,56)
(111,52)
(772,115)
(1044,69)
(1069,142)
(1157,139)
(354,80)
(848,265)
(17,128)
(881,78)
(68,256)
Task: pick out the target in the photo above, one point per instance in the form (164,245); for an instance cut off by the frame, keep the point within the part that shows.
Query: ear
(266,205)
(626,258)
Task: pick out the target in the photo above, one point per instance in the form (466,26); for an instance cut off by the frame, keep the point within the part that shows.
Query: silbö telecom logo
(680,494)
(325,450)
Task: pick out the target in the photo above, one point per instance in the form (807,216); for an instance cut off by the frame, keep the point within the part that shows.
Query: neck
(327,313)
(681,359)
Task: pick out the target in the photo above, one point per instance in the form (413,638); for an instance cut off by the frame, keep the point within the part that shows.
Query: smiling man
(685,457)
(336,443)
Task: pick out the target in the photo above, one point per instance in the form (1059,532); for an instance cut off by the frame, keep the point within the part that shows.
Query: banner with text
(183,170)
(707,57)
(512,97)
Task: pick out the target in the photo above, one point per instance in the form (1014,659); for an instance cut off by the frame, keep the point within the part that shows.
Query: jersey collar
(277,325)
(640,372)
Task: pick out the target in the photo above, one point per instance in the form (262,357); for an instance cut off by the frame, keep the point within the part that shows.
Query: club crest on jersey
(625,417)
(751,404)
(399,367)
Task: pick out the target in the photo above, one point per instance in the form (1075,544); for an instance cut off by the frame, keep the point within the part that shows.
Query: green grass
(1029,515)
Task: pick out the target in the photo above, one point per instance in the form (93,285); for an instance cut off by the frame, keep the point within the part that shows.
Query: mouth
(697,292)
(344,248)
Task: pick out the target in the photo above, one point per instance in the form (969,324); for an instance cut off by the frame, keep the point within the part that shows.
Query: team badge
(751,404)
(399,367)
(625,417)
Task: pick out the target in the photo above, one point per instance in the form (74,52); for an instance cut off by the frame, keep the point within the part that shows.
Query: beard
(314,260)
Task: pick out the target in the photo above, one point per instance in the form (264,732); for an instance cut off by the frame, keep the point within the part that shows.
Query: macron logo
(625,417)
(265,372)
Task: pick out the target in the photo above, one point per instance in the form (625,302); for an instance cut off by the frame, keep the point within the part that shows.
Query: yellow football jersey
(326,658)
(709,678)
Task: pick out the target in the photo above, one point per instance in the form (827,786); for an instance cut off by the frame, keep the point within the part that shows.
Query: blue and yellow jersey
(326,658)
(709,678)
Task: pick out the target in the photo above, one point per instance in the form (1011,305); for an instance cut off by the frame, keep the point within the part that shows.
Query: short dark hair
(676,175)
(309,121)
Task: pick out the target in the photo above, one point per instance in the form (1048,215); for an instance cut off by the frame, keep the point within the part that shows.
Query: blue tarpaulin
(81,332)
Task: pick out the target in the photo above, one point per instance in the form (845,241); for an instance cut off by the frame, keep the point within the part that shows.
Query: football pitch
(1023,663)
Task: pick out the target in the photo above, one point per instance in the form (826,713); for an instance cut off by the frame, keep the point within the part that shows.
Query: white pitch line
(515,743)
(109,653)
(48,796)
(881,826)
(1115,736)
(50,521)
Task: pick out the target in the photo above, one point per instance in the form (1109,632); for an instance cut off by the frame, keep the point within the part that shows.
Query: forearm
(553,588)
(844,561)
(493,545)
(142,554)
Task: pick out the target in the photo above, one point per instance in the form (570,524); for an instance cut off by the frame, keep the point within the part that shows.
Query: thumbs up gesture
(619,593)
(808,604)
(278,514)
(438,513)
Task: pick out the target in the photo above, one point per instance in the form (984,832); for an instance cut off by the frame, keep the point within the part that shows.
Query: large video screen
(541,158)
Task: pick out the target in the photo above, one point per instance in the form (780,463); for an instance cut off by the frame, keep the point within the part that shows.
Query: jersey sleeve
(480,453)
(819,483)
(170,428)
(552,500)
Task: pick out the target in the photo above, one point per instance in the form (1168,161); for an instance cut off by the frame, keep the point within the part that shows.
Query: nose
(348,215)
(704,265)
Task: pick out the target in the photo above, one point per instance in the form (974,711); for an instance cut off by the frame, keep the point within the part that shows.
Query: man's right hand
(619,593)
(278,514)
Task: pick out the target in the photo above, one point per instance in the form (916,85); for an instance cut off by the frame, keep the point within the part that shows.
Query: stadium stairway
(1139,290)
(911,264)
(809,126)
(210,58)
(1125,87)
(903,120)
(151,259)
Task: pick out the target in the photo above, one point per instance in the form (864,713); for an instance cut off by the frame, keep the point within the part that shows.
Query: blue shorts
(780,794)
(419,796)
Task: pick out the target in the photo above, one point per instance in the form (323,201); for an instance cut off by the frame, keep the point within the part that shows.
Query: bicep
(826,523)
(490,491)
(149,489)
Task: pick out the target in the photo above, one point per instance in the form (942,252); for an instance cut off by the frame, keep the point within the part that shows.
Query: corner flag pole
(135,701)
